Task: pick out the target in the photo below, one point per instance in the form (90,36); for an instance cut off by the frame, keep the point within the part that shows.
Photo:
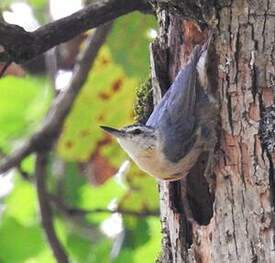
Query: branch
(127,212)
(45,209)
(50,130)
(72,211)
(25,175)
(21,45)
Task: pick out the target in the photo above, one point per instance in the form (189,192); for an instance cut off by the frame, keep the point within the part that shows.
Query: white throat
(133,148)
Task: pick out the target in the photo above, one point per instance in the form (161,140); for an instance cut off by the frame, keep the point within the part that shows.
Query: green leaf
(27,164)
(21,203)
(5,3)
(99,253)
(78,192)
(142,193)
(19,242)
(45,256)
(137,234)
(106,98)
(83,250)
(142,242)
(23,102)
(126,255)
(38,3)
(79,247)
(129,43)
(151,249)
(100,197)
(72,183)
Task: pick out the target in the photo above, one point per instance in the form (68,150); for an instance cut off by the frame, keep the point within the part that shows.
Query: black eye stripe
(136,131)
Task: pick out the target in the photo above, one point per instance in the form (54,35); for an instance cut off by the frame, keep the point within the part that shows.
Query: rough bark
(235,221)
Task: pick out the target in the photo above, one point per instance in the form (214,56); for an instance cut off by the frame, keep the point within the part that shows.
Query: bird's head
(134,139)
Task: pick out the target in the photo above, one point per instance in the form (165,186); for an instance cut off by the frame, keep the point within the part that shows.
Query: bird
(181,126)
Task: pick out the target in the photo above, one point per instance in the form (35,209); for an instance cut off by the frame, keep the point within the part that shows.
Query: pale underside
(153,162)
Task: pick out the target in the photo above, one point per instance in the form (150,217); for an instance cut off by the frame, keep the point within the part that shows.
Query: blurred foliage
(5,3)
(129,43)
(106,88)
(85,160)
(21,236)
(38,4)
(23,102)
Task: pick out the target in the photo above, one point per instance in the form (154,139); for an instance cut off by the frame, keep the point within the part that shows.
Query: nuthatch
(179,129)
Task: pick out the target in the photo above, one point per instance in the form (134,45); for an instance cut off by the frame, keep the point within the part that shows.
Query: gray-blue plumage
(176,116)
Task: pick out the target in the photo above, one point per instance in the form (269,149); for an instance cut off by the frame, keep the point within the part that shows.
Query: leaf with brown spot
(101,118)
(84,133)
(98,104)
(68,144)
(104,95)
(117,84)
(104,61)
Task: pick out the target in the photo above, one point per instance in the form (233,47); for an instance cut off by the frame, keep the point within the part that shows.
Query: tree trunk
(234,219)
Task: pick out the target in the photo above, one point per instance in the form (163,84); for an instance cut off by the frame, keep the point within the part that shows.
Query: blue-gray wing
(175,115)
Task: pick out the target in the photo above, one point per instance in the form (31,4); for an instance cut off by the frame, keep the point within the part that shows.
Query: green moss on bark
(144,102)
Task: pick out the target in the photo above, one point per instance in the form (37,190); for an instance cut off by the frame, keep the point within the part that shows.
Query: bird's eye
(136,131)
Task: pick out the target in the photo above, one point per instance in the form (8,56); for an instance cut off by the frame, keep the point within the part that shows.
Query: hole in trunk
(198,193)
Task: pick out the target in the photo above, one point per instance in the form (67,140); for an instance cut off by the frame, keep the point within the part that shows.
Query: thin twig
(126,212)
(21,45)
(45,209)
(73,211)
(24,174)
(52,126)
(3,70)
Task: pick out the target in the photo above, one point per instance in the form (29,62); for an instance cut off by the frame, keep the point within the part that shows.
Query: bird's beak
(114,132)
